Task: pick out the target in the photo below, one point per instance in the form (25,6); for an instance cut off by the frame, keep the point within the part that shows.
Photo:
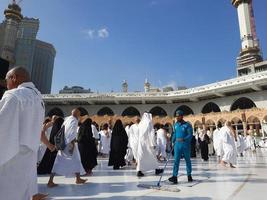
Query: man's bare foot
(39,196)
(223,163)
(80,181)
(51,184)
(232,166)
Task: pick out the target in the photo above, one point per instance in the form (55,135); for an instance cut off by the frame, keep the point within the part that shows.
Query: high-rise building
(19,46)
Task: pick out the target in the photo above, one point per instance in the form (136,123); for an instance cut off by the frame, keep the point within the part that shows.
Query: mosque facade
(242,100)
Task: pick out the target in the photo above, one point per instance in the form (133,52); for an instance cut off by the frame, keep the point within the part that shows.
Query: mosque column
(244,123)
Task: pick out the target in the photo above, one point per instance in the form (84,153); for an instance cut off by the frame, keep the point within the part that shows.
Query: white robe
(133,139)
(21,118)
(217,142)
(66,163)
(42,146)
(240,144)
(105,142)
(146,155)
(210,145)
(95,132)
(129,154)
(228,144)
(249,143)
(161,142)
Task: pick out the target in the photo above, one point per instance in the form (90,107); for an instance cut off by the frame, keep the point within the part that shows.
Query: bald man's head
(76,113)
(17,76)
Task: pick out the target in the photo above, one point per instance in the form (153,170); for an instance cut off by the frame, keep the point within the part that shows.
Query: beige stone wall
(251,119)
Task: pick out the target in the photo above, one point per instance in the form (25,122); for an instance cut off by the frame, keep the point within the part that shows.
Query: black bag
(60,139)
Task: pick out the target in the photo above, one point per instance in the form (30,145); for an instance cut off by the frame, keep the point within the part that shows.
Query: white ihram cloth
(129,154)
(249,143)
(105,142)
(161,142)
(146,158)
(217,142)
(210,145)
(68,163)
(240,144)
(95,132)
(133,139)
(228,144)
(21,118)
(42,146)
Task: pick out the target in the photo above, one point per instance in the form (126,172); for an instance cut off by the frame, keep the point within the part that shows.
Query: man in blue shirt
(181,140)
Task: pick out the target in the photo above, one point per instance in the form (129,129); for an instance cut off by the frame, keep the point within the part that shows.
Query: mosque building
(242,100)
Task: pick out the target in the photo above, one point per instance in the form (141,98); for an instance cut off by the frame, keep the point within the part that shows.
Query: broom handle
(158,184)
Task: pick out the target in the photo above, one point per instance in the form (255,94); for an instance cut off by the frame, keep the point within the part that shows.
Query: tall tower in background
(19,46)
(125,86)
(250,53)
(147,86)
(13,17)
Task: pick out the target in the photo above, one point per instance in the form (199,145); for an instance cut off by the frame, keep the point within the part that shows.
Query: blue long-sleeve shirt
(182,130)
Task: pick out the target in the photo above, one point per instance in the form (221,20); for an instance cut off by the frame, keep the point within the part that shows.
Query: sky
(100,43)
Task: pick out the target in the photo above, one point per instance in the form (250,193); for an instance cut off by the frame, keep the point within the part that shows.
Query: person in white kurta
(68,161)
(228,144)
(249,143)
(210,145)
(105,138)
(217,141)
(129,154)
(21,118)
(146,155)
(161,143)
(240,144)
(134,136)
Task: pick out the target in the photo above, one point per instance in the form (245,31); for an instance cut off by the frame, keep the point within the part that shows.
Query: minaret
(250,53)
(147,86)
(13,17)
(125,86)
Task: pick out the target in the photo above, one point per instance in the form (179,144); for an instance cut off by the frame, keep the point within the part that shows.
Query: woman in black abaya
(48,160)
(203,142)
(87,147)
(118,146)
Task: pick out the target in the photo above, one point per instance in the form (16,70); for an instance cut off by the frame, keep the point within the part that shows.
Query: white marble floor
(247,181)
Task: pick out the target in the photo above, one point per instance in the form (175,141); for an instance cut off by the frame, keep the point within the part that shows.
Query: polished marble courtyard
(213,181)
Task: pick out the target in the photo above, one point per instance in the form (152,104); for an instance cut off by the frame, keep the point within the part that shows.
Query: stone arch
(186,109)
(237,124)
(105,111)
(222,121)
(130,112)
(197,124)
(210,124)
(242,103)
(158,111)
(55,111)
(83,111)
(210,107)
(254,125)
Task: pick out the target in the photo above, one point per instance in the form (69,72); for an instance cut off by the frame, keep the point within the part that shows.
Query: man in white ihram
(68,161)
(228,137)
(21,118)
(133,137)
(146,155)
